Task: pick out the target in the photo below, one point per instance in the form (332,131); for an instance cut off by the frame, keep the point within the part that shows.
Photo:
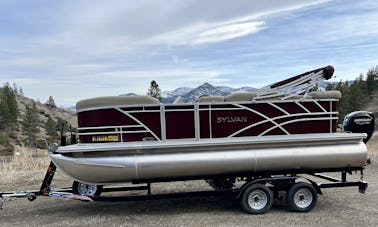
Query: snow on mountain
(179,91)
(188,95)
(170,96)
(226,89)
(246,89)
(204,89)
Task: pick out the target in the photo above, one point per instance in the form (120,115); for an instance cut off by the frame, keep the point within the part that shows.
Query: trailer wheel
(301,197)
(256,199)
(86,189)
(31,196)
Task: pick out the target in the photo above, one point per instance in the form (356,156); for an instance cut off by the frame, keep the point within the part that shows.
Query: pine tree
(51,103)
(50,126)
(330,86)
(154,90)
(30,125)
(8,108)
(372,80)
(62,125)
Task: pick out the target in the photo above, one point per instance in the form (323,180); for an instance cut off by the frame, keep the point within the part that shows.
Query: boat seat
(334,94)
(108,101)
(240,96)
(203,99)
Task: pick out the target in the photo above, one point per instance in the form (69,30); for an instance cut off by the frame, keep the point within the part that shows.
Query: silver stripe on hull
(149,166)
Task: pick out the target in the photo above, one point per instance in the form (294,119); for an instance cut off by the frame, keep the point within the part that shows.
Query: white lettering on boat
(362,121)
(231,119)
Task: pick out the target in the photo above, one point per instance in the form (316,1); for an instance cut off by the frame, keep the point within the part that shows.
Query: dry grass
(25,169)
(373,146)
(26,159)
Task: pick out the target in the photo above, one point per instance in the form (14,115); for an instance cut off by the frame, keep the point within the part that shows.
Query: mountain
(204,89)
(188,95)
(226,89)
(171,96)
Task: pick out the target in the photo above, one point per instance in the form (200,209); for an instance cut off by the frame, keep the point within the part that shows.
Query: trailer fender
(316,186)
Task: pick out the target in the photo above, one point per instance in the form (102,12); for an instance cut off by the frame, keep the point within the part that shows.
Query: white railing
(121,130)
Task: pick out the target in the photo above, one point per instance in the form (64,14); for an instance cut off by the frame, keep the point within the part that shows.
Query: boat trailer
(277,183)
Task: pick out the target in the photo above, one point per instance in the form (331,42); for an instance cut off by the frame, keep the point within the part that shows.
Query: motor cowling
(360,122)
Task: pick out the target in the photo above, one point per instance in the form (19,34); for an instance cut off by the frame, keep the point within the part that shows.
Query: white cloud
(228,32)
(106,48)
(178,60)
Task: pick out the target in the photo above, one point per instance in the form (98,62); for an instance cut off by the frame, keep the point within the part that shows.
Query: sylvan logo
(231,119)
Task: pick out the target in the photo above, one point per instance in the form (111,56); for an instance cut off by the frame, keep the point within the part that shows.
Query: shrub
(41,144)
(4,139)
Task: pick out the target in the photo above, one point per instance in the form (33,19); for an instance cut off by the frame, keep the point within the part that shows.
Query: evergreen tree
(356,93)
(154,90)
(330,86)
(50,126)
(372,80)
(51,103)
(15,89)
(62,125)
(30,125)
(343,107)
(8,108)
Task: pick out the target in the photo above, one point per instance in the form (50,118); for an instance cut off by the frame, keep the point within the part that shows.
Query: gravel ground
(336,207)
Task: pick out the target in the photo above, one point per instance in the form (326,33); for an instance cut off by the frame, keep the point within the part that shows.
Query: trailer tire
(31,196)
(86,189)
(301,197)
(256,199)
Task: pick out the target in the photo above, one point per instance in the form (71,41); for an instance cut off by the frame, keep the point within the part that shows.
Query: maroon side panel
(225,123)
(151,120)
(112,117)
(204,124)
(255,131)
(312,107)
(104,117)
(305,127)
(265,109)
(290,107)
(180,124)
(225,120)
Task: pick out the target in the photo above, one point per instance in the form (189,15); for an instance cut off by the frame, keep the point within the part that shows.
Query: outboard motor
(360,122)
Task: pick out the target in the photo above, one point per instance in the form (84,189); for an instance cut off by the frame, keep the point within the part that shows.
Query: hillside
(372,106)
(16,137)
(43,112)
(372,103)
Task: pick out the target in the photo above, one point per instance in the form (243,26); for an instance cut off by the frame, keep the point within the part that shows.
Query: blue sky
(77,49)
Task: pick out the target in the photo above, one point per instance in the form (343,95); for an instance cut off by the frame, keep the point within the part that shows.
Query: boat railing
(112,131)
(116,133)
(296,90)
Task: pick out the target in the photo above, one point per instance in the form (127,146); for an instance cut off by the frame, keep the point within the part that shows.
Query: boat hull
(210,160)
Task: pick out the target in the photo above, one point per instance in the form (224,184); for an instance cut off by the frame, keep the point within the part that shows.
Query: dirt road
(336,207)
